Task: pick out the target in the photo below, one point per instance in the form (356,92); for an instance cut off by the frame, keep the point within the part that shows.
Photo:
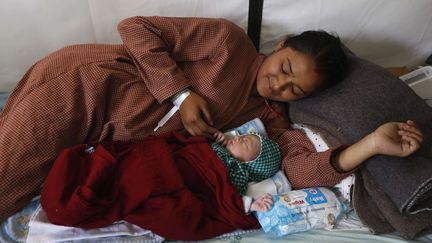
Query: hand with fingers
(263,203)
(196,117)
(220,138)
(397,138)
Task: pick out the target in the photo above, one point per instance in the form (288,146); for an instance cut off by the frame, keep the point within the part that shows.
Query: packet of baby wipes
(274,185)
(302,210)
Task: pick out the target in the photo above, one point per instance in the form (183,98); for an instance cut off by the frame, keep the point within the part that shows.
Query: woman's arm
(158,45)
(162,48)
(305,167)
(392,138)
(302,164)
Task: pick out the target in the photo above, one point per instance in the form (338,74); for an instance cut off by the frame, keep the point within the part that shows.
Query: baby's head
(258,153)
(244,148)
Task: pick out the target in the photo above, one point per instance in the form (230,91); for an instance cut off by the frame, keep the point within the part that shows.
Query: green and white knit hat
(265,165)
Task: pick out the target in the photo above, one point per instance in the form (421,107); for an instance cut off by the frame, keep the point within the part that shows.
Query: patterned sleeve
(158,46)
(302,164)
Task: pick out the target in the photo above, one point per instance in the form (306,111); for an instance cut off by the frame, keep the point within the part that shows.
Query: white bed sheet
(349,229)
(323,236)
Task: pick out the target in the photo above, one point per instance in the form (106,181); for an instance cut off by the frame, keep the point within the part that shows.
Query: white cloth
(41,230)
(277,184)
(344,187)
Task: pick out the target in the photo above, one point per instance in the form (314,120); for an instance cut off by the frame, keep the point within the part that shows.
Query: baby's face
(244,148)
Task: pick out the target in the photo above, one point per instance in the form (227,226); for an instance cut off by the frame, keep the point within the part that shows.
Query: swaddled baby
(249,158)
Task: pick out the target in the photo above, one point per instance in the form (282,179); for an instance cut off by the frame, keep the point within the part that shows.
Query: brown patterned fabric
(87,93)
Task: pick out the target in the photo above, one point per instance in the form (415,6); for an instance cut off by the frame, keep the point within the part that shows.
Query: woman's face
(287,75)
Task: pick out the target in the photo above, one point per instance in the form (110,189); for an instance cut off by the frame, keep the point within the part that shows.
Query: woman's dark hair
(327,52)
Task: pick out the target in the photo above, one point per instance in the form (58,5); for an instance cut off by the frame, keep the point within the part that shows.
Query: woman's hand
(193,111)
(397,138)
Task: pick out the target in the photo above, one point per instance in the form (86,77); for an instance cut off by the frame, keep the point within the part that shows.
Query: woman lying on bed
(96,92)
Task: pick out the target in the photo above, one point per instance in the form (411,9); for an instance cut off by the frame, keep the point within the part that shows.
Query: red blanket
(176,187)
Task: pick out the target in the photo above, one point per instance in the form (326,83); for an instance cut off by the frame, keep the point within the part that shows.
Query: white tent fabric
(387,32)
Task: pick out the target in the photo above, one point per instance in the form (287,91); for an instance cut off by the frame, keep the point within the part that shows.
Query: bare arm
(392,138)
